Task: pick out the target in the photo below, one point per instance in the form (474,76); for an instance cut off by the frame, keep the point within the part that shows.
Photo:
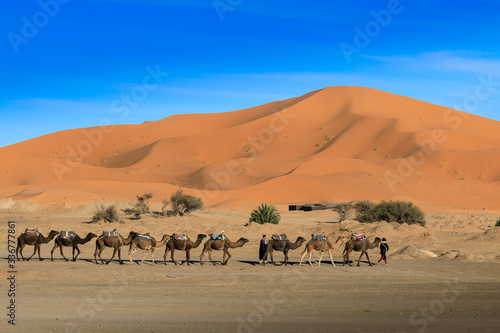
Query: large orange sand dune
(334,144)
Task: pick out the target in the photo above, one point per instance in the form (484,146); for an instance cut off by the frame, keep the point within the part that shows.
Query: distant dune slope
(333,144)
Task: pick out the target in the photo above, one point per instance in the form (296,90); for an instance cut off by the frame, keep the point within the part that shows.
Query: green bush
(498,223)
(363,206)
(109,214)
(393,211)
(265,214)
(182,204)
(344,210)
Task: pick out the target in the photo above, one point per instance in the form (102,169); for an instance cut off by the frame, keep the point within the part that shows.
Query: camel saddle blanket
(68,234)
(217,237)
(113,233)
(319,237)
(279,237)
(31,232)
(179,237)
(358,237)
(144,237)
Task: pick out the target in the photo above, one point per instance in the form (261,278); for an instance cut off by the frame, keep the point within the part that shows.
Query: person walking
(384,247)
(262,248)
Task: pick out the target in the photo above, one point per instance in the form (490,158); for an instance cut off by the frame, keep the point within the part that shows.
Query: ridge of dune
(332,144)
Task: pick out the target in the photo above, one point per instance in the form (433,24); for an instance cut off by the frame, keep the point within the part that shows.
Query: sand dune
(333,144)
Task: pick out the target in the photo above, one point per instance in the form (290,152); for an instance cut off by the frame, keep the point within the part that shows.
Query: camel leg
(210,257)
(331,257)
(165,255)
(367,257)
(52,252)
(188,257)
(201,256)
(286,257)
(320,257)
(39,255)
(224,257)
(228,256)
(97,248)
(362,253)
(120,255)
(272,258)
(310,255)
(131,251)
(61,248)
(153,255)
(172,255)
(34,251)
(346,259)
(302,256)
(19,250)
(78,250)
(112,257)
(145,254)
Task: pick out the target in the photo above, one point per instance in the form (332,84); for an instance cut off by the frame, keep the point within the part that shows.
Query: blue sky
(69,63)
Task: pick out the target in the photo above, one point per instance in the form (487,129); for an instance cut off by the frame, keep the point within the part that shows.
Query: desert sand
(334,144)
(331,145)
(442,277)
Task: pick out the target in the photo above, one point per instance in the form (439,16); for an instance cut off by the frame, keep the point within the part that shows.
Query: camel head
(243,240)
(91,235)
(132,233)
(301,239)
(377,240)
(53,233)
(340,239)
(201,236)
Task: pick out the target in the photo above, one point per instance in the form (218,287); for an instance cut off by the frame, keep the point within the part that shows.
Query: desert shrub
(142,204)
(360,207)
(498,223)
(344,210)
(394,211)
(108,214)
(182,204)
(265,214)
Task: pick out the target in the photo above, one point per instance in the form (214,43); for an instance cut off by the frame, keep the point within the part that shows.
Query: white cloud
(446,61)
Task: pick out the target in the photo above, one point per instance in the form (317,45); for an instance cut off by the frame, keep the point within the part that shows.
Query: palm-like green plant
(265,214)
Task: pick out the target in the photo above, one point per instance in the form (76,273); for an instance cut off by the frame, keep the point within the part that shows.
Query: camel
(359,246)
(35,241)
(73,242)
(182,245)
(282,245)
(151,244)
(323,246)
(220,244)
(115,242)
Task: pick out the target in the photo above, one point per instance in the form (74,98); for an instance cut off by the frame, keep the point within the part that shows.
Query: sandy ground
(440,281)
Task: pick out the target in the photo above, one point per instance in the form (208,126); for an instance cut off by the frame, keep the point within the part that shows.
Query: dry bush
(109,214)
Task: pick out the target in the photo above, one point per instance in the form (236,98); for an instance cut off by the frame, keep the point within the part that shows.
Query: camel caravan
(181,242)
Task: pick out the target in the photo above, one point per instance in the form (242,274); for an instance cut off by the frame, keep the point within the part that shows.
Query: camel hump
(68,234)
(32,232)
(279,237)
